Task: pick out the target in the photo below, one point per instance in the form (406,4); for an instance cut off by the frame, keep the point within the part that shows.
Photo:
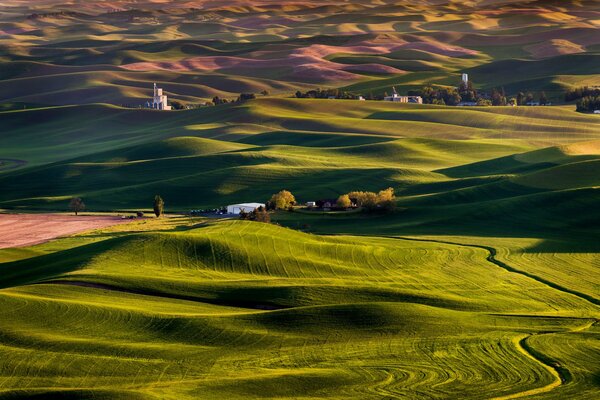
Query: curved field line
(559,377)
(561,374)
(492,259)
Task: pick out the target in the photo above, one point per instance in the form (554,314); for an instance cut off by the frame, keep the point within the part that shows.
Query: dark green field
(482,283)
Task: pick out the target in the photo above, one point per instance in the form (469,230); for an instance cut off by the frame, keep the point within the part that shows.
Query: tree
(265,92)
(217,100)
(245,97)
(498,98)
(467,92)
(453,98)
(543,99)
(344,201)
(76,205)
(521,99)
(366,200)
(177,105)
(484,103)
(261,215)
(282,200)
(386,199)
(159,206)
(529,98)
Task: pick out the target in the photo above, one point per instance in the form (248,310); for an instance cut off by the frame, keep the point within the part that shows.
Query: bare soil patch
(19,230)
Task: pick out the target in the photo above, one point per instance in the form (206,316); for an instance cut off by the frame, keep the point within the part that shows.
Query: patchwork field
(483,283)
(57,53)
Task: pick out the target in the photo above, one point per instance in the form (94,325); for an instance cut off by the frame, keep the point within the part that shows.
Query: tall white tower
(159,101)
(465,78)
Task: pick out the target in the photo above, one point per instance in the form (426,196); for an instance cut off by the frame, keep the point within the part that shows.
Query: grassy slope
(216,156)
(360,318)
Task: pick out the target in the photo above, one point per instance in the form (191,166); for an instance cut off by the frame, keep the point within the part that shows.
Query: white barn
(247,207)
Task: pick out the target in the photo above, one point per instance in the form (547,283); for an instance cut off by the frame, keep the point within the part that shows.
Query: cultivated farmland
(482,283)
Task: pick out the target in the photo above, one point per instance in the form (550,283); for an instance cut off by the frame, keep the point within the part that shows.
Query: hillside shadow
(31,270)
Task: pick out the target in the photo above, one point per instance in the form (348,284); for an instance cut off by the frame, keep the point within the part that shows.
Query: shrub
(258,215)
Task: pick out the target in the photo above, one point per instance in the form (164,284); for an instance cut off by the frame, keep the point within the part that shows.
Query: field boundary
(561,375)
(492,259)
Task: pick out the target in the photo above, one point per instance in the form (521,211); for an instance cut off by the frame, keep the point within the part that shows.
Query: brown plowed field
(18,230)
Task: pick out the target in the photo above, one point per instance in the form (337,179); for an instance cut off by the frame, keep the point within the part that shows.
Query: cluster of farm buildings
(324,204)
(160,102)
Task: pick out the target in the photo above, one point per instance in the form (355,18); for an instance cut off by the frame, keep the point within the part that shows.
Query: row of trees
(241,98)
(384,200)
(441,96)
(581,92)
(325,94)
(77,205)
(588,104)
(467,93)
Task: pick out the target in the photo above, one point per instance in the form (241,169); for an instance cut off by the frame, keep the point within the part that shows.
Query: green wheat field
(482,283)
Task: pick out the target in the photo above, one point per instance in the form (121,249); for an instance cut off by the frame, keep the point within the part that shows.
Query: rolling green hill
(317,148)
(336,317)
(482,283)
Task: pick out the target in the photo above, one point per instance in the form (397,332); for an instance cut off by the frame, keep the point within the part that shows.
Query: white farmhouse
(247,207)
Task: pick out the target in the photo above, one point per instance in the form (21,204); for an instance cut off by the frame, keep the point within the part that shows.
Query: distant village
(464,95)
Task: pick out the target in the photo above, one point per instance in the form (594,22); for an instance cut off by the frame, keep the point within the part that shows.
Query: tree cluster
(468,92)
(437,95)
(581,92)
(325,94)
(384,200)
(241,98)
(588,104)
(258,215)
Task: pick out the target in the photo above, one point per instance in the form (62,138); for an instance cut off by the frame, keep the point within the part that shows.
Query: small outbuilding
(246,207)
